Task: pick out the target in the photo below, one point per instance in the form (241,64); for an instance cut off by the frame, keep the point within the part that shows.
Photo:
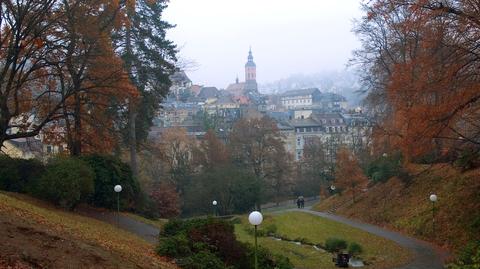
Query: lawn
(70,227)
(378,252)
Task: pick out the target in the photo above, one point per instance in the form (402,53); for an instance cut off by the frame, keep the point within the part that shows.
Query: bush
(202,260)
(18,175)
(355,249)
(385,167)
(468,159)
(468,258)
(335,244)
(211,243)
(110,171)
(66,182)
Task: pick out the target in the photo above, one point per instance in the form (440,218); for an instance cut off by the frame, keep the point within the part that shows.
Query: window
(308,129)
(49,149)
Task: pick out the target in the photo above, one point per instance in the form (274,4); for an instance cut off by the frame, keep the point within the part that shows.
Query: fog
(287,37)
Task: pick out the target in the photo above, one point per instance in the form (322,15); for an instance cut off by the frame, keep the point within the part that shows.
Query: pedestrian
(298,202)
(302,202)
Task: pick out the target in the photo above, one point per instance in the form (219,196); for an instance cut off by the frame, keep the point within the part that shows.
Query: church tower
(250,73)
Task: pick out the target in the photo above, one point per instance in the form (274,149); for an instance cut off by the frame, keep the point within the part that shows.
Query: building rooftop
(301,92)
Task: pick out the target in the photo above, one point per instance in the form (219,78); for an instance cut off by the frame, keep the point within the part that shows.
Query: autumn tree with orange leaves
(423,76)
(348,174)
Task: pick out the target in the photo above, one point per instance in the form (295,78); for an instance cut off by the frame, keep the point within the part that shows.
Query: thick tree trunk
(132,111)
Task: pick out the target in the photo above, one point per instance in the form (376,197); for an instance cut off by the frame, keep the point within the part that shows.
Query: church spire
(250,73)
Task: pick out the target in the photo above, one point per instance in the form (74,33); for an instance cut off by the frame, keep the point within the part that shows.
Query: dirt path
(426,256)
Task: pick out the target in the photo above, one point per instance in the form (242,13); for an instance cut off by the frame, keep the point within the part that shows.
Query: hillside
(405,206)
(36,234)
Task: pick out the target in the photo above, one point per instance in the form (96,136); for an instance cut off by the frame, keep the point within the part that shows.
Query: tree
(348,174)
(421,58)
(176,149)
(254,145)
(149,59)
(26,104)
(87,68)
(213,152)
(315,168)
(166,199)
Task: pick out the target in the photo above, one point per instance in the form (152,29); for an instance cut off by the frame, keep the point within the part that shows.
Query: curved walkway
(426,256)
(148,232)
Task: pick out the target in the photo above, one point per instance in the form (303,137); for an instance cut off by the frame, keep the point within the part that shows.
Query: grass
(379,252)
(406,206)
(88,230)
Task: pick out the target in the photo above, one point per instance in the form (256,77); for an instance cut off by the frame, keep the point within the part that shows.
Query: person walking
(298,202)
(302,202)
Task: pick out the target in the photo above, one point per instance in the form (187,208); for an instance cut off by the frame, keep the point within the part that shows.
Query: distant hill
(344,82)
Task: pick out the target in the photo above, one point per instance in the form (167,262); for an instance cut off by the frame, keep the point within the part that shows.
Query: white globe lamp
(117,188)
(255,218)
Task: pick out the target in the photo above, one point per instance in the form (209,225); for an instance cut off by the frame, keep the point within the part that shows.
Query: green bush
(203,260)
(468,258)
(385,167)
(355,249)
(18,175)
(66,182)
(335,244)
(110,171)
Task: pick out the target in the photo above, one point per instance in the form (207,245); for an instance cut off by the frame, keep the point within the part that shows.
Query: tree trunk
(132,111)
(132,115)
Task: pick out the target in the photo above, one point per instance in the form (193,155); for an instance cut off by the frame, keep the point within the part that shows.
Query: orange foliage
(348,174)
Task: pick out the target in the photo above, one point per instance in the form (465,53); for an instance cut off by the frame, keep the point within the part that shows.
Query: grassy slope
(128,250)
(406,207)
(380,252)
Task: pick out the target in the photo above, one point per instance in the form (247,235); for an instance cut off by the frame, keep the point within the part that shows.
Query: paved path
(426,256)
(143,230)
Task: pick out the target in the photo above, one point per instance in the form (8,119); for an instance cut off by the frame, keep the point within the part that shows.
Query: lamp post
(255,218)
(433,199)
(214,203)
(118,189)
(333,188)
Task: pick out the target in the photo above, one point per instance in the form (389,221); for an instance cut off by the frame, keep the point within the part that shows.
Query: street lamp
(255,218)
(214,203)
(433,199)
(118,189)
(333,188)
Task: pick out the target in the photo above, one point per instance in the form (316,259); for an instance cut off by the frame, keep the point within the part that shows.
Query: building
(180,82)
(238,89)
(304,98)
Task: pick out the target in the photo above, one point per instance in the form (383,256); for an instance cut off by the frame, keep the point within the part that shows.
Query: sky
(287,37)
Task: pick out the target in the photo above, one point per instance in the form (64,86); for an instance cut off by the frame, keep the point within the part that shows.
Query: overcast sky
(287,37)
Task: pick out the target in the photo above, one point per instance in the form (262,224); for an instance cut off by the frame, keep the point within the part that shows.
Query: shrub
(468,159)
(66,182)
(202,260)
(110,171)
(468,258)
(271,229)
(211,243)
(18,175)
(385,167)
(335,244)
(355,249)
